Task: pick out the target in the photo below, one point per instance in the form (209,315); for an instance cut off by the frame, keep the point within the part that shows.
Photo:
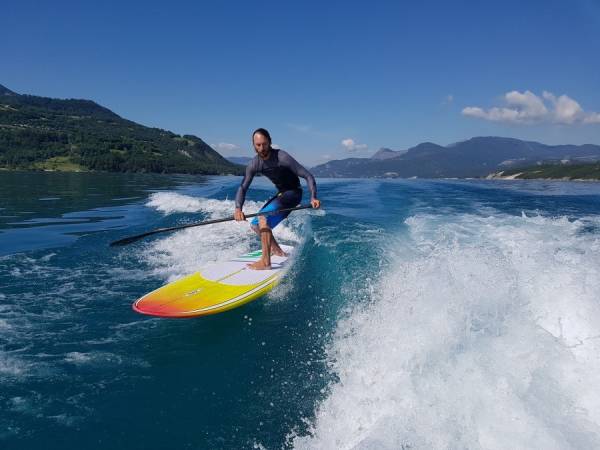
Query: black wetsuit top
(281,169)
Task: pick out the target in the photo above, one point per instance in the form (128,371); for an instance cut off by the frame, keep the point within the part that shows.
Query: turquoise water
(418,314)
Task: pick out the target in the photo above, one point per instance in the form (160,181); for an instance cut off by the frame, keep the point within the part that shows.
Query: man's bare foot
(259,265)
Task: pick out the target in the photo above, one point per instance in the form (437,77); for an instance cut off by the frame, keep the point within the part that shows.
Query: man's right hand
(239,215)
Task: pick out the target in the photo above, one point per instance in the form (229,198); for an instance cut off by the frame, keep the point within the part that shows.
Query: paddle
(130,239)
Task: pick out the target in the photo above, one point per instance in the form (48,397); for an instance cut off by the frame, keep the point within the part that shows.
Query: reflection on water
(66,204)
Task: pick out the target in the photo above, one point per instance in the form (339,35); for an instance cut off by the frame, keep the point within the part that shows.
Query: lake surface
(417,314)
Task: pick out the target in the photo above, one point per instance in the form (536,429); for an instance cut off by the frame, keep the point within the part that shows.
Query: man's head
(261,139)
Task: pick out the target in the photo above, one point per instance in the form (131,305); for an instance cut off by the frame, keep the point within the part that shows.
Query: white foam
(78,357)
(93,357)
(484,333)
(64,419)
(10,366)
(170,202)
(173,202)
(19,404)
(4,324)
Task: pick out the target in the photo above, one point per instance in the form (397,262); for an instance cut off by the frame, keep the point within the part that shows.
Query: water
(419,314)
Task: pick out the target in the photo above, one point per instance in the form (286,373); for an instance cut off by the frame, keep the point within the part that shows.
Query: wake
(483,333)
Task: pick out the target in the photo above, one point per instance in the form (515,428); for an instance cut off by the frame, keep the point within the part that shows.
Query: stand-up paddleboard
(215,289)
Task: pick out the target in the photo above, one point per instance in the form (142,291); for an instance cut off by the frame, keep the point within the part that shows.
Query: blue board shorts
(286,199)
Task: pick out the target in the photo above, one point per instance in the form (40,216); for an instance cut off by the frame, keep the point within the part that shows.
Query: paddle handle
(130,239)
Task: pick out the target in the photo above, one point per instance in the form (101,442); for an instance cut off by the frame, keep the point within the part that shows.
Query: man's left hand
(315,203)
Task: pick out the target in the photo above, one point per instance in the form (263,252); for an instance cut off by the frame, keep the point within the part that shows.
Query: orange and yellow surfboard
(215,289)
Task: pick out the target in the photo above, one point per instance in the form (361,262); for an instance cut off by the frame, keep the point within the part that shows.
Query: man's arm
(288,161)
(240,197)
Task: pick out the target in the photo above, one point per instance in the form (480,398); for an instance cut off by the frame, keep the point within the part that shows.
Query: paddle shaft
(130,239)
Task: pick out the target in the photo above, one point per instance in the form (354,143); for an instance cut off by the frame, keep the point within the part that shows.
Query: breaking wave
(483,332)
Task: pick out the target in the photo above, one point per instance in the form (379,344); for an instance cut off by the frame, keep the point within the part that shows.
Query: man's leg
(275,248)
(265,224)
(287,199)
(266,240)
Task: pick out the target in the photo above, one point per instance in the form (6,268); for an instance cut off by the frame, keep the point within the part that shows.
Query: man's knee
(262,222)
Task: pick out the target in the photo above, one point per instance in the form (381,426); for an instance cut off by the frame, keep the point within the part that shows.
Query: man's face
(261,145)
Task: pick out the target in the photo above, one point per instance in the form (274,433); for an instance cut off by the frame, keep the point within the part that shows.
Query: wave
(483,332)
(188,250)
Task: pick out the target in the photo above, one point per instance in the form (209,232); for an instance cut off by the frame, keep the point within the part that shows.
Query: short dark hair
(264,132)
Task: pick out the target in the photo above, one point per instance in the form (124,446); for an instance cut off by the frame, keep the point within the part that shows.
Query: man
(283,170)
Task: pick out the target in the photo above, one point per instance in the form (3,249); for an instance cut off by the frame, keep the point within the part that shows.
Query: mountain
(6,91)
(241,160)
(54,134)
(476,157)
(386,153)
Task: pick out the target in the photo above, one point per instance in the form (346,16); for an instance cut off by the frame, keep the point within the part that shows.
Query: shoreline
(499,176)
(495,176)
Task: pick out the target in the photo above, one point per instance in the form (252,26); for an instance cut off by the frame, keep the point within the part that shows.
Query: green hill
(52,134)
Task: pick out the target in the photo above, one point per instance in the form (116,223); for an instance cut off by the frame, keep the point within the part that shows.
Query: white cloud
(352,146)
(566,110)
(494,114)
(448,99)
(226,148)
(592,117)
(528,108)
(527,104)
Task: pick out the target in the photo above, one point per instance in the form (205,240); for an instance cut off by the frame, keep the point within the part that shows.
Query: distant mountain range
(476,157)
(242,160)
(53,134)
(387,153)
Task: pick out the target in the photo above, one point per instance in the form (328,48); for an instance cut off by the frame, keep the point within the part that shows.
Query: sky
(328,79)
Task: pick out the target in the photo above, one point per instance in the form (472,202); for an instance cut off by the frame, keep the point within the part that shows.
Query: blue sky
(328,79)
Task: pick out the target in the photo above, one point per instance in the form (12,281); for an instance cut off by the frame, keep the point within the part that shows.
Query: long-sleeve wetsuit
(281,169)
